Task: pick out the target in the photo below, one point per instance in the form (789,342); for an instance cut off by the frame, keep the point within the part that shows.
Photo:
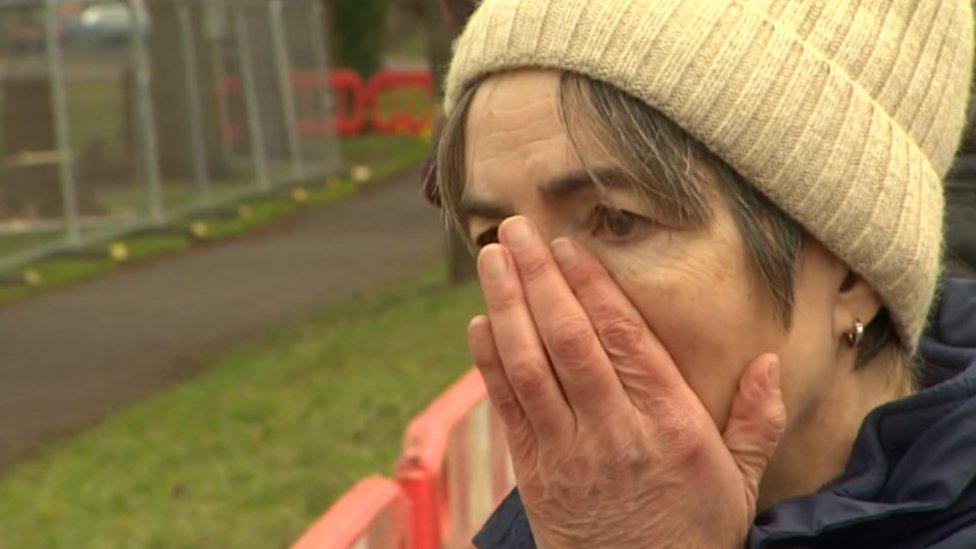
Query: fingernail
(517,233)
(772,375)
(475,322)
(492,263)
(564,252)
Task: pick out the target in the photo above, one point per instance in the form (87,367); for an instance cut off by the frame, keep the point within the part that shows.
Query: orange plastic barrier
(454,467)
(351,100)
(373,514)
(400,117)
(392,101)
(453,471)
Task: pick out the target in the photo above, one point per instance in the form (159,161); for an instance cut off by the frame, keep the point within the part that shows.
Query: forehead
(514,136)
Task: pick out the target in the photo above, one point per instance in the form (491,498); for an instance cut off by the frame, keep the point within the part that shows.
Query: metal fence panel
(32,205)
(117,115)
(309,61)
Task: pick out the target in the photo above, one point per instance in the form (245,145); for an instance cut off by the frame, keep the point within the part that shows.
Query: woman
(710,236)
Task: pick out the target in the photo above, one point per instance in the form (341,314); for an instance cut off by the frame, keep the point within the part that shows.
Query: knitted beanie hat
(845,113)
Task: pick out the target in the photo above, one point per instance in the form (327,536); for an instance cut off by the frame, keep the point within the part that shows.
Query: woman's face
(696,289)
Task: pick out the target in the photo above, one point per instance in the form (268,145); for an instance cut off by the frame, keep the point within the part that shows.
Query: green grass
(66,269)
(387,156)
(249,453)
(13,243)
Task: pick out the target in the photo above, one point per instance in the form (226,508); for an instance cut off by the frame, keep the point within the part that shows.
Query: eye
(488,237)
(618,224)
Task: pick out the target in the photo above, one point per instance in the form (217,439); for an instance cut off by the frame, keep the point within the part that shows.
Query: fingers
(484,353)
(757,421)
(584,371)
(642,364)
(522,355)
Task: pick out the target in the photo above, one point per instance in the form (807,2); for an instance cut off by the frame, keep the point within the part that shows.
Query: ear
(856,300)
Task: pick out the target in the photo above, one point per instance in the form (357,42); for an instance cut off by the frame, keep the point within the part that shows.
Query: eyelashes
(605,222)
(619,224)
(488,237)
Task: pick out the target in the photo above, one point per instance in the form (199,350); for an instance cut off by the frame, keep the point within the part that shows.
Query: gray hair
(665,167)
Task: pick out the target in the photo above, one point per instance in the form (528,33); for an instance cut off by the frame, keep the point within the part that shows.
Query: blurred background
(223,296)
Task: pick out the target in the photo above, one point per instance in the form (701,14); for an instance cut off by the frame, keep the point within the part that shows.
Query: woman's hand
(610,446)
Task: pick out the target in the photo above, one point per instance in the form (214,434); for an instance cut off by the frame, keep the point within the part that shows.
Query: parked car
(101,26)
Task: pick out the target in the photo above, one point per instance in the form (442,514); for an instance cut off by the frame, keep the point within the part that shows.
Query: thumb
(756,422)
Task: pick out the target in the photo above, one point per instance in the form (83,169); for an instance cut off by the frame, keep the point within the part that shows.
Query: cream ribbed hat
(846,113)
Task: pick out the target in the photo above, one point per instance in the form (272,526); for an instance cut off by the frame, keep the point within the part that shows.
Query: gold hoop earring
(855,336)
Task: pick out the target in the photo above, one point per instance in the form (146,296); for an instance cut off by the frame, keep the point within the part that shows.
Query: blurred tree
(457,12)
(440,25)
(359,26)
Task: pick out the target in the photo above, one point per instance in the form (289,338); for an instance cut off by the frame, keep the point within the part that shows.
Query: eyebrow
(555,190)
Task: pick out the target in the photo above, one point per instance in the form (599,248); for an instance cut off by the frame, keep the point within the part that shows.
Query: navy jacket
(909,482)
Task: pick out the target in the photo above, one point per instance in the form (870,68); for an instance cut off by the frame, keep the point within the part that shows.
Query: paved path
(69,357)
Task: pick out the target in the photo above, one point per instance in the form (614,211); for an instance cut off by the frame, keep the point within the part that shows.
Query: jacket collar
(912,456)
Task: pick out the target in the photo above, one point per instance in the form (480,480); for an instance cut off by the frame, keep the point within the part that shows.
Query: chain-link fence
(118,115)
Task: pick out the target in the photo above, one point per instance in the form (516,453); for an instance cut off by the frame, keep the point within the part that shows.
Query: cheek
(809,356)
(703,305)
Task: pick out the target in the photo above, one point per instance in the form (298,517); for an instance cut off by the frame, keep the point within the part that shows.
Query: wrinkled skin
(639,379)
(606,450)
